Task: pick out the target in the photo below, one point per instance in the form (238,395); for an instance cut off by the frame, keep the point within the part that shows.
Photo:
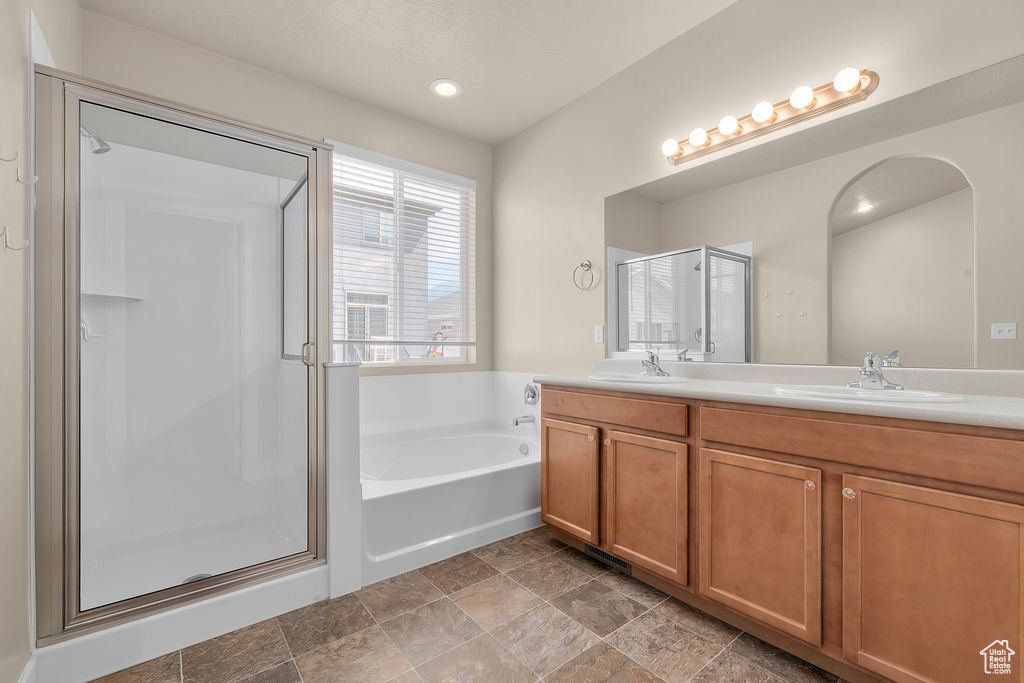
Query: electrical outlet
(1004,330)
(599,334)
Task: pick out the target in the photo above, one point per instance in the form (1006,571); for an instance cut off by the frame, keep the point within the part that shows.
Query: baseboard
(379,568)
(94,655)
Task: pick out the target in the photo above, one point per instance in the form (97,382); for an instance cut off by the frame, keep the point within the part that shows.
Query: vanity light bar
(849,86)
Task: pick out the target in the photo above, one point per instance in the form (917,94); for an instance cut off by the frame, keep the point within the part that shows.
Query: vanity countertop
(987,411)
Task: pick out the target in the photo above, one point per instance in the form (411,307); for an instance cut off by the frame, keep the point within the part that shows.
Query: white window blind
(654,295)
(403,261)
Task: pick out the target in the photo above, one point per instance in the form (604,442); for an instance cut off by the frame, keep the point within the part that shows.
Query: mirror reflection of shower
(97,144)
(670,300)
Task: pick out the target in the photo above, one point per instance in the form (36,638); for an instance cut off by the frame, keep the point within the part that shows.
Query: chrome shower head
(97,144)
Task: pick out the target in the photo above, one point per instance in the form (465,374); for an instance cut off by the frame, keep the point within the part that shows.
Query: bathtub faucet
(522,419)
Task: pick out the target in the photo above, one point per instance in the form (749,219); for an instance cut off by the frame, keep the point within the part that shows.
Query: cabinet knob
(607,442)
(590,437)
(809,485)
(849,494)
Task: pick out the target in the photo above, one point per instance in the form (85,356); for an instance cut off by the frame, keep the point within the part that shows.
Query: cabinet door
(932,583)
(647,503)
(760,540)
(569,481)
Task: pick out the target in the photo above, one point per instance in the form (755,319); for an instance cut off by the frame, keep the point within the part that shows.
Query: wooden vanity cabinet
(880,549)
(615,474)
(760,540)
(922,535)
(647,480)
(569,480)
(930,580)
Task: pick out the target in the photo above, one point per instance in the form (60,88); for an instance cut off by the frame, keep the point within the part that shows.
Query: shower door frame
(707,344)
(57,348)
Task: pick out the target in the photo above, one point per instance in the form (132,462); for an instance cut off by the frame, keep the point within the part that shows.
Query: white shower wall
(438,401)
(190,419)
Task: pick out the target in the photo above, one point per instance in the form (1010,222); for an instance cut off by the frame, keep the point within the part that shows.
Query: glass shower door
(728,294)
(194,393)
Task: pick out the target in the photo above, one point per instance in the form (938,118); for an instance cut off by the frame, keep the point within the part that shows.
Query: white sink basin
(858,394)
(638,379)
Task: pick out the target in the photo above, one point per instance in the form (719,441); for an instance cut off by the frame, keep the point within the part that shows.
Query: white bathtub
(430,496)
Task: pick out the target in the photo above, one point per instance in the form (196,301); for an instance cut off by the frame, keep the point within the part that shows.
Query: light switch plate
(599,334)
(1004,330)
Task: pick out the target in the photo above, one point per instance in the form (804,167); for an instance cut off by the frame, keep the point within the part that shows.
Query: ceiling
(893,187)
(517,60)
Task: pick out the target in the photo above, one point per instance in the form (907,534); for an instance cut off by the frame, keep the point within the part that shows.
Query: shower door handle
(307,354)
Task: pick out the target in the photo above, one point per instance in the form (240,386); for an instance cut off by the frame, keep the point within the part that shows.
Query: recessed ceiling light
(865,207)
(445,87)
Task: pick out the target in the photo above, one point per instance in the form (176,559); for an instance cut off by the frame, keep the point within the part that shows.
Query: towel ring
(586,267)
(6,241)
(31,181)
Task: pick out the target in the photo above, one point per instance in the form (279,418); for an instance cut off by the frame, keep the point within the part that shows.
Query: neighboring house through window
(403,261)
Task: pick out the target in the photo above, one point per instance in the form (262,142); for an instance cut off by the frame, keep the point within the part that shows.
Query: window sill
(420,369)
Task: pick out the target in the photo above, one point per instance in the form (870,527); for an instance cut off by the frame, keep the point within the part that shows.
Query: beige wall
(906,282)
(552,179)
(632,222)
(786,215)
(131,57)
(59,20)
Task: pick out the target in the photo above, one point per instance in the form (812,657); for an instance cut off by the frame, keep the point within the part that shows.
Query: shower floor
(125,570)
(526,608)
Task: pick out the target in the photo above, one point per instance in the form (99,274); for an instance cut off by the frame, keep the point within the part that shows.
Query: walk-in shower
(179,425)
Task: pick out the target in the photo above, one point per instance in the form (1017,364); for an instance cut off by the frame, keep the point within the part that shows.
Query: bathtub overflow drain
(524,449)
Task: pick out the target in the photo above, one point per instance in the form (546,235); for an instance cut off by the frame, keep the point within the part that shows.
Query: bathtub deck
(526,608)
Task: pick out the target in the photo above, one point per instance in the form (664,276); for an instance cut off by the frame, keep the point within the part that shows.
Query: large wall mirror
(898,227)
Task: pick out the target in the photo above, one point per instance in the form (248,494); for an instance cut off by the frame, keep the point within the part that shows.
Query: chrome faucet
(891,359)
(652,363)
(682,355)
(522,419)
(871,376)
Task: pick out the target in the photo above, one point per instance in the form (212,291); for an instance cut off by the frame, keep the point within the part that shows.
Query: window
(378,227)
(403,261)
(366,317)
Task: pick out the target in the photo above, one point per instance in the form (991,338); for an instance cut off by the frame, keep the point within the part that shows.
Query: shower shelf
(109,297)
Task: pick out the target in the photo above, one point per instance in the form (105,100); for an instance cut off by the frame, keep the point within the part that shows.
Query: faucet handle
(891,359)
(652,356)
(869,359)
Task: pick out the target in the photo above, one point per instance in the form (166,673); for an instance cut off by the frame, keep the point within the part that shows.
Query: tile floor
(526,608)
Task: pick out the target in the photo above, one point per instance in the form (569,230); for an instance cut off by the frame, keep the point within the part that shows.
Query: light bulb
(670,147)
(445,87)
(865,207)
(763,111)
(728,125)
(847,80)
(802,97)
(698,137)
